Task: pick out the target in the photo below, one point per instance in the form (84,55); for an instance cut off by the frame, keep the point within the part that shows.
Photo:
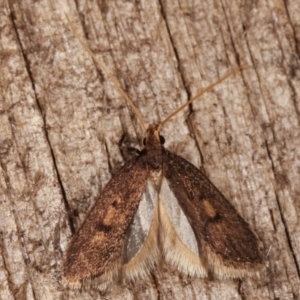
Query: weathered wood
(62,122)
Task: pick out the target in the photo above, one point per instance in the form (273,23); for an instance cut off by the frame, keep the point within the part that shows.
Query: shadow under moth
(186,220)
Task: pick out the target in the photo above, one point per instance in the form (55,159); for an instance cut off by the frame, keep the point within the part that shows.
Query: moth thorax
(155,178)
(154,159)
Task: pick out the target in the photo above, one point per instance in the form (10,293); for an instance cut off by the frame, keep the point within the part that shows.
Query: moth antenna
(107,73)
(207,89)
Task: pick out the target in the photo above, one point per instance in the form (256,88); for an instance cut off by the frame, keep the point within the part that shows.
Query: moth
(186,220)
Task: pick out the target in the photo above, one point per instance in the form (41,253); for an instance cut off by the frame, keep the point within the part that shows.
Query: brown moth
(174,198)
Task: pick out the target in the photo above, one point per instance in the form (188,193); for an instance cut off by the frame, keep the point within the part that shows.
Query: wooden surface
(62,124)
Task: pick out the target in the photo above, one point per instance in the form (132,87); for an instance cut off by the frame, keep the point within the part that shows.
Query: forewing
(226,243)
(96,249)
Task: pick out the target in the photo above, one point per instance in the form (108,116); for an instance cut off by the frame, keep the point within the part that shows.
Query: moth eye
(162,139)
(144,141)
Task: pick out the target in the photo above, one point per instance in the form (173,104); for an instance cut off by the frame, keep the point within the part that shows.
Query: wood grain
(62,123)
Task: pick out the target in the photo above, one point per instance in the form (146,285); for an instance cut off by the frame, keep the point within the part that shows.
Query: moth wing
(226,243)
(178,241)
(142,253)
(96,250)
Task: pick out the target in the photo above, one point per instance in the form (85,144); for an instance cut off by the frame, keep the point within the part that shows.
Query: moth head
(153,136)
(153,147)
